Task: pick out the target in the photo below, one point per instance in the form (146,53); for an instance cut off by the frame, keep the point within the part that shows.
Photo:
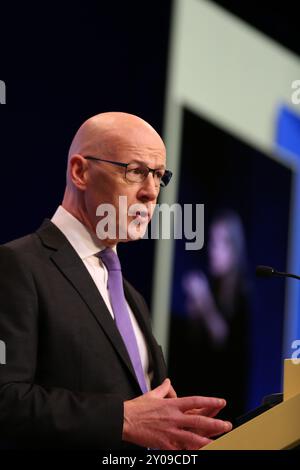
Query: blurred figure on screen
(217,308)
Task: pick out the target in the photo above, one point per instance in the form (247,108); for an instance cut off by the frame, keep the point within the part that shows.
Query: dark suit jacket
(67,371)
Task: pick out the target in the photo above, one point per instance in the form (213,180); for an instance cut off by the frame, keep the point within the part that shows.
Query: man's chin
(136,232)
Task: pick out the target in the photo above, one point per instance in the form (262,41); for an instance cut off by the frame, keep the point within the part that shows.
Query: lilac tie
(122,318)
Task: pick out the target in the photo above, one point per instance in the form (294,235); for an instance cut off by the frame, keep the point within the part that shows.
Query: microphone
(268,271)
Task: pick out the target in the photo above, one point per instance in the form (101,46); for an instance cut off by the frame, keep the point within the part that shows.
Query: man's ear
(78,167)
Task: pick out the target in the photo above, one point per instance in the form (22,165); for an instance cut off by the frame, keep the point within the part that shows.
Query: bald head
(112,137)
(104,133)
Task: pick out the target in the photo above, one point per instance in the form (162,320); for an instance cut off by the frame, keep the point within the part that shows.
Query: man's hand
(199,298)
(159,420)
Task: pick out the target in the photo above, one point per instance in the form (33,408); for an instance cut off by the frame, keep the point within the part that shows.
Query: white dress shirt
(87,246)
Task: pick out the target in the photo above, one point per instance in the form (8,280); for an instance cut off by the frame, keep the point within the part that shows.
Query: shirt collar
(83,241)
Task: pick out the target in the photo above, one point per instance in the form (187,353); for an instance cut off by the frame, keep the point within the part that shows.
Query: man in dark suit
(72,378)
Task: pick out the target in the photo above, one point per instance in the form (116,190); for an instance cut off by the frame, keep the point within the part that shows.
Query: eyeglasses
(137,172)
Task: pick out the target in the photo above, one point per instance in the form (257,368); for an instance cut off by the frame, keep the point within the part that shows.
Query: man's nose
(150,188)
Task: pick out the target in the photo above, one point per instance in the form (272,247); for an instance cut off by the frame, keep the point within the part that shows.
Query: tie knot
(110,259)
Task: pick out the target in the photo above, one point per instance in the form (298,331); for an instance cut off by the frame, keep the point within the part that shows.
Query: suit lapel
(140,317)
(140,314)
(69,263)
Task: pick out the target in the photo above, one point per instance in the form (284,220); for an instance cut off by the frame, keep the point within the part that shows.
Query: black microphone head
(265,271)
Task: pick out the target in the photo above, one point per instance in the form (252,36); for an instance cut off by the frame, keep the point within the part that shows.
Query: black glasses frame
(164,180)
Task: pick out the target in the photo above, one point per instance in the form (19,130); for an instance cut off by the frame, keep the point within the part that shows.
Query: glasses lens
(136,172)
(166,178)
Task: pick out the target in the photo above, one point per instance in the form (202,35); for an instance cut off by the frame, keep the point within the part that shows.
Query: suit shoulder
(20,246)
(22,243)
(20,251)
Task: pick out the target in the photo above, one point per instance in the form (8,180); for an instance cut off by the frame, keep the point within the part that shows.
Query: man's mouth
(142,217)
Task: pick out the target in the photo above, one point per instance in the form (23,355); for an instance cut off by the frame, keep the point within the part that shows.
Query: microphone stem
(294,276)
